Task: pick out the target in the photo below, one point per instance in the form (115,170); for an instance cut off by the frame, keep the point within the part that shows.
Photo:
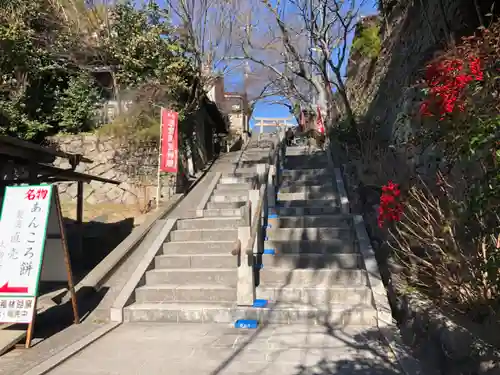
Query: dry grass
(106,212)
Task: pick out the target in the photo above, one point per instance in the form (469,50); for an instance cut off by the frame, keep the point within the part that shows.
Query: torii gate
(277,122)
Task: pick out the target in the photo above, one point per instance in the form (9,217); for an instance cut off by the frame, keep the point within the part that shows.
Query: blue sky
(266,109)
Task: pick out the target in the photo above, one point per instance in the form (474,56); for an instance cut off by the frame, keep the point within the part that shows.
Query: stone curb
(71,350)
(98,275)
(344,200)
(385,322)
(208,194)
(116,311)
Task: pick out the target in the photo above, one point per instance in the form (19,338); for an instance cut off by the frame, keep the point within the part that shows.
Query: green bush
(368,42)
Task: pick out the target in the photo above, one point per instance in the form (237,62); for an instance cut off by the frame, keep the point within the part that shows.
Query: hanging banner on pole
(169,141)
(320,126)
(302,120)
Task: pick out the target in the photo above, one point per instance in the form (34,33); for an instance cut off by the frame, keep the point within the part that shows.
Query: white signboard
(16,309)
(23,224)
(54,266)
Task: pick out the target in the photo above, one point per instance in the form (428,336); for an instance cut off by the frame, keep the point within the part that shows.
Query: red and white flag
(169,141)
(320,127)
(302,121)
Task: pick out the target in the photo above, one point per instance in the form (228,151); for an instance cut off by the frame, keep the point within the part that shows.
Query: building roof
(40,159)
(233,102)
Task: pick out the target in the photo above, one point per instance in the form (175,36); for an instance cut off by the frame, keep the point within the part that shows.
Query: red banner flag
(169,141)
(302,121)
(320,127)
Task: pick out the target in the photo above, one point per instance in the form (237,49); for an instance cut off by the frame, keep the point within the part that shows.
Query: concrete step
(308,203)
(192,292)
(198,247)
(338,221)
(283,197)
(173,261)
(310,172)
(327,182)
(233,187)
(334,246)
(315,189)
(251,162)
(246,171)
(312,180)
(281,277)
(208,223)
(364,316)
(224,205)
(228,180)
(309,234)
(315,261)
(317,295)
(203,235)
(218,197)
(234,212)
(189,276)
(307,211)
(321,163)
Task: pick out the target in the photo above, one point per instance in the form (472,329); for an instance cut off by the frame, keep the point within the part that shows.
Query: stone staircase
(315,274)
(194,275)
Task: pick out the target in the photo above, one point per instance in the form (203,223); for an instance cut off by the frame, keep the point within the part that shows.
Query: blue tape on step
(270,251)
(246,323)
(260,303)
(272,216)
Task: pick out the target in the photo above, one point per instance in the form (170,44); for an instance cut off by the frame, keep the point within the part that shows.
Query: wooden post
(79,220)
(67,260)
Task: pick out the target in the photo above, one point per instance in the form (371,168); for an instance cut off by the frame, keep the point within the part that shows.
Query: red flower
(447,80)
(390,208)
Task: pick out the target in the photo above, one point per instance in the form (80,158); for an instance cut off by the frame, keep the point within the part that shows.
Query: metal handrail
(256,220)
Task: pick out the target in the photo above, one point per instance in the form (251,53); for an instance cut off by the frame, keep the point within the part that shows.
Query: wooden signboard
(29,215)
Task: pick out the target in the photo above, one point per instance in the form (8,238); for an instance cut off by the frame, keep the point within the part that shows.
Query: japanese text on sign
(169,145)
(23,224)
(16,310)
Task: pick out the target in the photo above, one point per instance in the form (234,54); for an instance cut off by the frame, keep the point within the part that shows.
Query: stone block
(115,195)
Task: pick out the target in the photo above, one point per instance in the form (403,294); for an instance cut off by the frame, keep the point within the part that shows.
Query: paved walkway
(206,349)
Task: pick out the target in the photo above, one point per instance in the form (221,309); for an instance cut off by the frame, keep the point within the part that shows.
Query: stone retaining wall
(447,344)
(134,167)
(382,89)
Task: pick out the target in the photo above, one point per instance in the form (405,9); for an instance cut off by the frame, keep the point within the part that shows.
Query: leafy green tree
(49,49)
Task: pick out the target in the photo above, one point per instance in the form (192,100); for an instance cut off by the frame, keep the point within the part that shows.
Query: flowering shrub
(448,231)
(390,208)
(447,80)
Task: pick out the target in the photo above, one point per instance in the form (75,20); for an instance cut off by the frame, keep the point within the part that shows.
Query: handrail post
(261,172)
(271,187)
(253,196)
(245,288)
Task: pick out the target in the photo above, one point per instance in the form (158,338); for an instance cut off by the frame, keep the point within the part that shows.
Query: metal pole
(158,181)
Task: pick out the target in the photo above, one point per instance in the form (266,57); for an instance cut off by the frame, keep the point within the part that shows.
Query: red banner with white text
(320,126)
(169,141)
